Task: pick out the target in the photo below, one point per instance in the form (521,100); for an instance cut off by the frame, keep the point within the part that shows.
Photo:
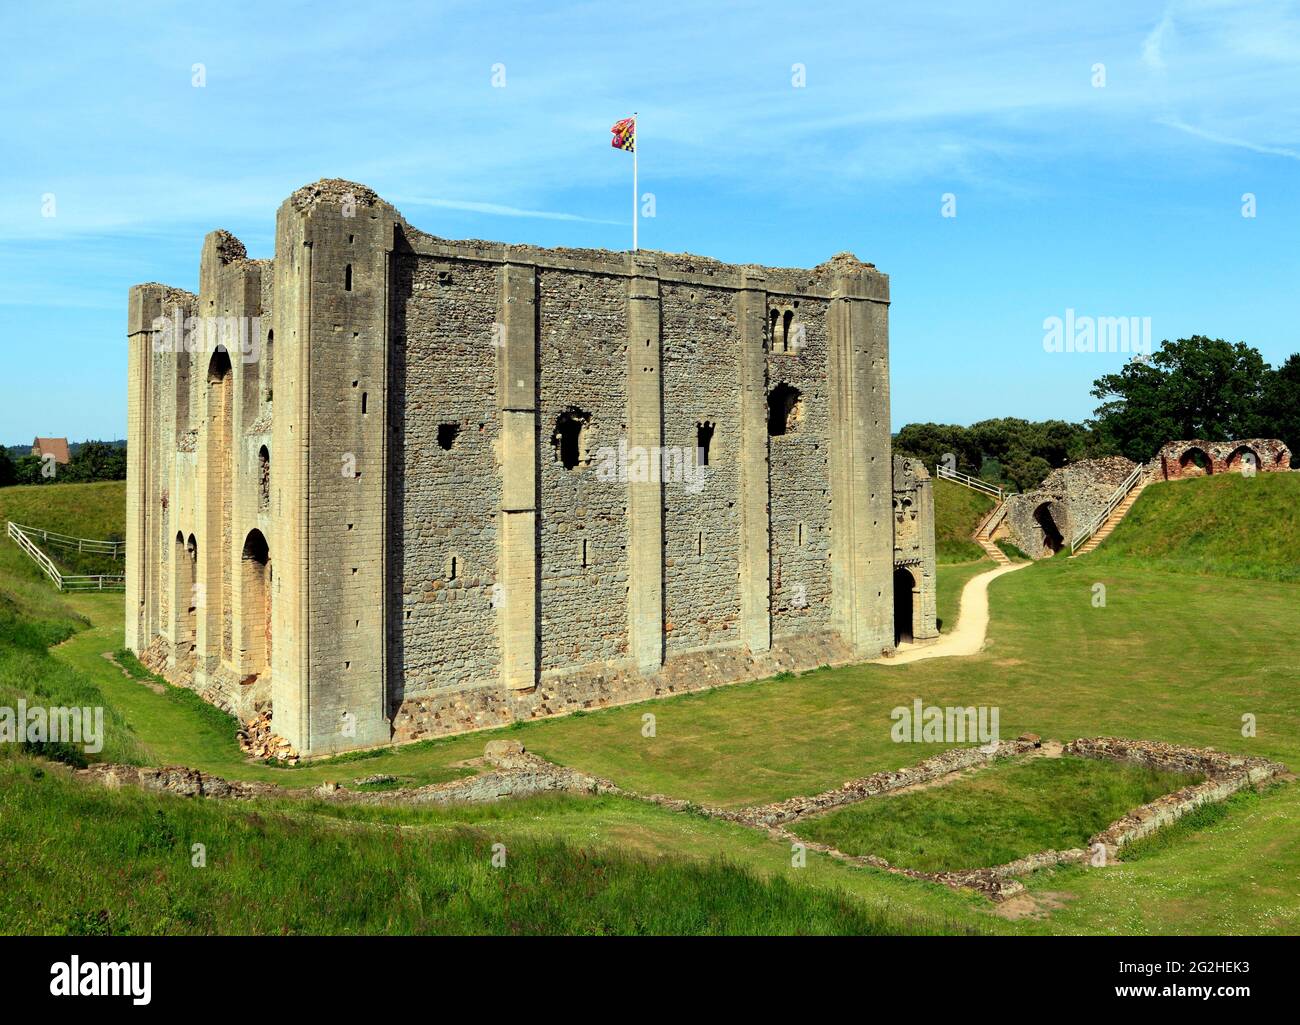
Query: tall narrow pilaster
(755,515)
(862,545)
(143,305)
(516,595)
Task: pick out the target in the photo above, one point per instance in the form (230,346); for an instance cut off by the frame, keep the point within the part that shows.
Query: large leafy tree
(1194,387)
(1008,451)
(1279,405)
(96,460)
(932,443)
(27,470)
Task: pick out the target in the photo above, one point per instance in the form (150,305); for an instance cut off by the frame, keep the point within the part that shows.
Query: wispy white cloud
(1225,140)
(493,209)
(1153,46)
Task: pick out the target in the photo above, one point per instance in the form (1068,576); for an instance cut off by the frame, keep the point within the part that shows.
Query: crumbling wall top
(338,190)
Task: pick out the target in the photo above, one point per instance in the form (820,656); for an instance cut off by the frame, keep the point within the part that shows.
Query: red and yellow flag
(624,135)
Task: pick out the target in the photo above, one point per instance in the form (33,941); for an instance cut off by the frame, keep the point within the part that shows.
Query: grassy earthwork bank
(1227,525)
(1179,652)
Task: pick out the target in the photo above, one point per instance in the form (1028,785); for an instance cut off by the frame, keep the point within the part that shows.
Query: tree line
(87,462)
(1194,387)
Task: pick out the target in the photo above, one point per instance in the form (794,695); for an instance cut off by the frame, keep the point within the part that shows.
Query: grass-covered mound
(997,815)
(957,512)
(1226,525)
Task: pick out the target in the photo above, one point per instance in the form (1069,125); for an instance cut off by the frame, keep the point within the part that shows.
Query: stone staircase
(1118,513)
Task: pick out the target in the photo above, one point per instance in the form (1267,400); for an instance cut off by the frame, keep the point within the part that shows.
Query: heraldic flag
(624,134)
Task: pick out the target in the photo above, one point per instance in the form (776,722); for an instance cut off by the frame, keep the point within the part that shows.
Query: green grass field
(1179,652)
(993,816)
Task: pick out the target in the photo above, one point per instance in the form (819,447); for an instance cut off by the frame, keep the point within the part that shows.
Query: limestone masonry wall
(388,486)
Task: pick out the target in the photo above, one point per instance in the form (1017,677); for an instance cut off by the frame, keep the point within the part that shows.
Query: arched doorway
(904,604)
(1053,539)
(255,570)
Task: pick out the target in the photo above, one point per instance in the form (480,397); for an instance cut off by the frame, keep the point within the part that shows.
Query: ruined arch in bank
(1053,539)
(1243,459)
(1195,462)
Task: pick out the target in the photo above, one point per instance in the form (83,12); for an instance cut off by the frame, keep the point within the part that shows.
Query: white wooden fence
(22,537)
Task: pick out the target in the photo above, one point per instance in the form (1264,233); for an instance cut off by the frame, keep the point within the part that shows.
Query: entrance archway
(904,604)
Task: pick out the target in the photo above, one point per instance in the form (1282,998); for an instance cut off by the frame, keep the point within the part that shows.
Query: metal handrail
(1120,493)
(974,483)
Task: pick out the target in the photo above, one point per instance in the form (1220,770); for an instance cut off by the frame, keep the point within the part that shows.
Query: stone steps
(993,551)
(983,535)
(1113,520)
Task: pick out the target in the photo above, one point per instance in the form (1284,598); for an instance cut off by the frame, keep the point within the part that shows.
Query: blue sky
(1124,200)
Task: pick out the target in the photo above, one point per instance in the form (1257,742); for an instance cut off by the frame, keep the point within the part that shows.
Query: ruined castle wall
(800,484)
(446,454)
(400,442)
(582,364)
(1176,461)
(913,508)
(701,375)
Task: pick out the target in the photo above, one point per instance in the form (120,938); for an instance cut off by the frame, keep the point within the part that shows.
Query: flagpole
(635,147)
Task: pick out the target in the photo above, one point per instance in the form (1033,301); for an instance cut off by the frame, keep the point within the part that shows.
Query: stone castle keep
(389,486)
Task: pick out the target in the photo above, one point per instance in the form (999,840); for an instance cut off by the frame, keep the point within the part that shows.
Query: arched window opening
(784,410)
(569,438)
(268,367)
(263,479)
(703,439)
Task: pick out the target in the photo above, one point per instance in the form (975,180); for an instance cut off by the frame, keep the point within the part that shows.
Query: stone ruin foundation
(513,772)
